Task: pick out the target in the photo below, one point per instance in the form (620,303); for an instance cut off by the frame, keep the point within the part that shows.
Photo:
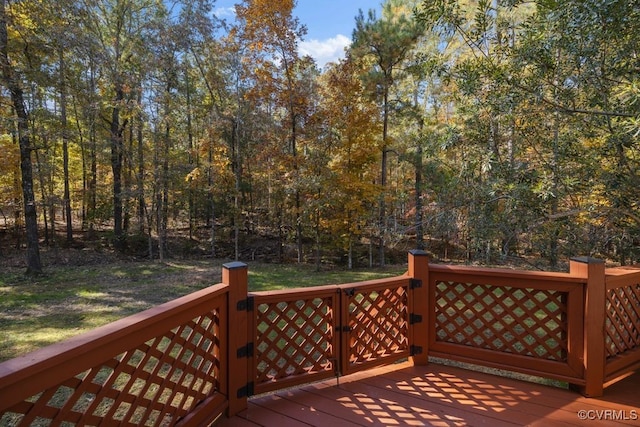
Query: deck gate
(304,335)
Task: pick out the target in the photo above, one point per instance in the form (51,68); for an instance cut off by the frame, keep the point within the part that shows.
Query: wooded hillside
(474,129)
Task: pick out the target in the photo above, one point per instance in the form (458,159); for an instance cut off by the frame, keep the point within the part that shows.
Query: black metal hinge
(350,292)
(415,349)
(245,304)
(245,351)
(245,391)
(415,283)
(415,318)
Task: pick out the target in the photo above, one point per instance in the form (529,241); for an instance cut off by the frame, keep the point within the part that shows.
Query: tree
(387,42)
(272,35)
(540,87)
(11,80)
(351,147)
(118,28)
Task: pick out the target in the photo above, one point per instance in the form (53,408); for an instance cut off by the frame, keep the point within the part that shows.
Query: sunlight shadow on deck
(433,395)
(433,398)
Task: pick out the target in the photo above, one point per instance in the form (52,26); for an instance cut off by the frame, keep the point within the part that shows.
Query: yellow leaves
(257,46)
(194,175)
(10,155)
(218,153)
(24,16)
(9,167)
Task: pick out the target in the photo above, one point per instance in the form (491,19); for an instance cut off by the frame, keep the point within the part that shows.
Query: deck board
(437,395)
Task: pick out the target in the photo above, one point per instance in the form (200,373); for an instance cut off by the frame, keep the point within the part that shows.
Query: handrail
(503,274)
(622,276)
(329,287)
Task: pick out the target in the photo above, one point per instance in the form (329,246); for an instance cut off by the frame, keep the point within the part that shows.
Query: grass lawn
(69,300)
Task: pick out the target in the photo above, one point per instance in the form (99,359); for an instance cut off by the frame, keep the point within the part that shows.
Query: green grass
(67,300)
(268,277)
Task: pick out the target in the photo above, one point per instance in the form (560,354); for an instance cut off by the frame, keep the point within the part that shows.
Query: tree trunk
(65,150)
(165,188)
(192,193)
(43,195)
(237,171)
(140,168)
(212,202)
(92,184)
(117,154)
(34,265)
(83,155)
(383,177)
(418,190)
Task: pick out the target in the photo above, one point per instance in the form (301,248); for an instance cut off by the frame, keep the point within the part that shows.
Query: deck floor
(438,395)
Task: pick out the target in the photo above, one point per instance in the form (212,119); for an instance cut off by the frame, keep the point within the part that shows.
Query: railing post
(235,274)
(594,322)
(419,335)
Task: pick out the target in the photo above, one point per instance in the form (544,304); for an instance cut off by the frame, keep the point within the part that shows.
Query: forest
(477,130)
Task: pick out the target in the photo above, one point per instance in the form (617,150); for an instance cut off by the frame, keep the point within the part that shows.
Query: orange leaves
(265,13)
(269,28)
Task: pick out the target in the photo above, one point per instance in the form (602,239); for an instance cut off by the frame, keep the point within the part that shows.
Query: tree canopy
(478,129)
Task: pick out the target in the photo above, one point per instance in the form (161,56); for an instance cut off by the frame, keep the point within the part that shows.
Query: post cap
(418,252)
(234,265)
(587,260)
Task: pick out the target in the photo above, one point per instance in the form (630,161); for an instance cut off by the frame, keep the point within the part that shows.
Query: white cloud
(324,51)
(222,12)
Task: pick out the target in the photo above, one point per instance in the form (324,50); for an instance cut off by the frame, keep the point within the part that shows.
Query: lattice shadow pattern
(623,319)
(154,384)
(527,322)
(294,338)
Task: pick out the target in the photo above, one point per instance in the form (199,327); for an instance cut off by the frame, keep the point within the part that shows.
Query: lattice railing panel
(623,319)
(378,323)
(154,384)
(527,322)
(294,337)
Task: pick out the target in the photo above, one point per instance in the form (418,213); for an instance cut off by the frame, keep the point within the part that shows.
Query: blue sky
(329,24)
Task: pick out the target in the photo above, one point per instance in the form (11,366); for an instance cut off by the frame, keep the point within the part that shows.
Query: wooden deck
(441,396)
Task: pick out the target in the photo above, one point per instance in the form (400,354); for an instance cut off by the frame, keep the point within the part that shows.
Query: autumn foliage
(483,131)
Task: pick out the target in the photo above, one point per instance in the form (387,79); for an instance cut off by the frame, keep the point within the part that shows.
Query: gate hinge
(415,318)
(245,351)
(245,391)
(415,349)
(350,292)
(245,304)
(415,283)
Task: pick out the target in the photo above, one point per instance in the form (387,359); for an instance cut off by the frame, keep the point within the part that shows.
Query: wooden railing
(310,334)
(523,321)
(622,322)
(189,361)
(164,366)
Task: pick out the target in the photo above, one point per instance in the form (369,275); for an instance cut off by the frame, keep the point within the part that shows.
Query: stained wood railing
(530,322)
(622,322)
(310,334)
(163,366)
(188,361)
